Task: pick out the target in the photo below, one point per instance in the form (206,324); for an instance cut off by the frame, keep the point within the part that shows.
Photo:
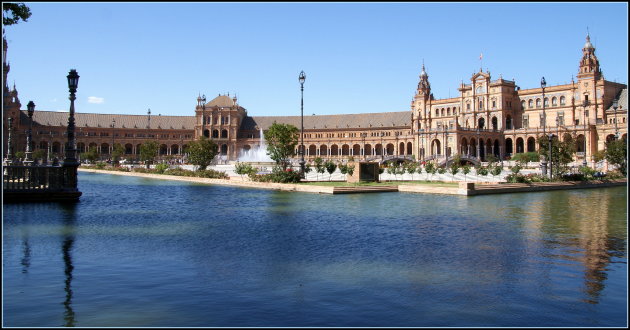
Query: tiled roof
(361,121)
(52,118)
(221,101)
(623,101)
(92,120)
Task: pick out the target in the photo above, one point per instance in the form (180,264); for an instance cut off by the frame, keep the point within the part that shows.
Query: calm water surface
(140,252)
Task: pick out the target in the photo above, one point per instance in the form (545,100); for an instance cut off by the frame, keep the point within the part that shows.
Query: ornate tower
(589,64)
(421,113)
(10,102)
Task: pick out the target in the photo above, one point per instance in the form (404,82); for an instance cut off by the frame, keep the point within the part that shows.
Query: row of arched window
(554,102)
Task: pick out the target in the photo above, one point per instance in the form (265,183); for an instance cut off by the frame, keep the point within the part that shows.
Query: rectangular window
(525,122)
(542,121)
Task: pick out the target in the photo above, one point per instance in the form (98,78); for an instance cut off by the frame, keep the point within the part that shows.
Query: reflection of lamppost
(615,105)
(584,105)
(301,79)
(31,109)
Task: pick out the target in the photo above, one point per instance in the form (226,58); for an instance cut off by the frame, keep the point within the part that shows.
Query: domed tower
(421,111)
(589,64)
(421,102)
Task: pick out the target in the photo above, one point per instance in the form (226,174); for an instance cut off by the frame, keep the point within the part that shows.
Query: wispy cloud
(53,100)
(94,99)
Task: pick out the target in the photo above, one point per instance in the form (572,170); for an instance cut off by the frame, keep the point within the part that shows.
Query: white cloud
(94,99)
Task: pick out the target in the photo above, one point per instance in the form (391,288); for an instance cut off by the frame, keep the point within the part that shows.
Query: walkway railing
(39,183)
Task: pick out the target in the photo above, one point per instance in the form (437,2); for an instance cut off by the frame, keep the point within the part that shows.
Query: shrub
(482,171)
(161,168)
(100,165)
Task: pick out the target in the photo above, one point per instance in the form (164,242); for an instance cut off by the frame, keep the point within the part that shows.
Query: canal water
(139,252)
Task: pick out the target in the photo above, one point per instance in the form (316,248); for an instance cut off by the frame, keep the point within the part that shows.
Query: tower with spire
(589,64)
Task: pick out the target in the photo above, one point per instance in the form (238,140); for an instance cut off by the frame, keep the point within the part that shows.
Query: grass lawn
(387,183)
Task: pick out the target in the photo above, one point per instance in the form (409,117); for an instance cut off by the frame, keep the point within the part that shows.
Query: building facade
(487,117)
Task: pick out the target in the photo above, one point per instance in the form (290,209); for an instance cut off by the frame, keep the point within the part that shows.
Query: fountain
(256,155)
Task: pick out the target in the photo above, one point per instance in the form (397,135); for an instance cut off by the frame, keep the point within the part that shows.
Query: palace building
(487,117)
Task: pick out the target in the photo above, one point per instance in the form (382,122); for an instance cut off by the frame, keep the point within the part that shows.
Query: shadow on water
(69,221)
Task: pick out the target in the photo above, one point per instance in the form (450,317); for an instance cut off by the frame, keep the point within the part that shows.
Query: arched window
(546,102)
(530,104)
(437,112)
(224,134)
(538,104)
(523,105)
(562,100)
(554,101)
(448,111)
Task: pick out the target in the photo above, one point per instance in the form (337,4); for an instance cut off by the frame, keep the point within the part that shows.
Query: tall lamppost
(550,137)
(543,161)
(363,135)
(584,105)
(9,159)
(203,116)
(301,79)
(478,144)
(382,147)
(112,152)
(615,105)
(29,151)
(70,161)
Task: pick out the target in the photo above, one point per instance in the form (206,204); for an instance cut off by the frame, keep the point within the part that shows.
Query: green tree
(454,169)
(202,152)
(617,154)
(561,153)
(319,166)
(39,154)
(330,168)
(465,170)
(243,169)
(412,167)
(148,152)
(118,151)
(496,170)
(350,169)
(281,142)
(430,169)
(17,12)
(91,155)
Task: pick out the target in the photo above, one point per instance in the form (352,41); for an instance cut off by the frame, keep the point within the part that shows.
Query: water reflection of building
(487,117)
(582,227)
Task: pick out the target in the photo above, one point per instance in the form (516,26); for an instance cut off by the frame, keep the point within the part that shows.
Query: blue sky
(358,57)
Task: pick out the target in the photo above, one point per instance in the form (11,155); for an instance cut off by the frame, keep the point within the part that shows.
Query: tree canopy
(202,152)
(281,142)
(17,12)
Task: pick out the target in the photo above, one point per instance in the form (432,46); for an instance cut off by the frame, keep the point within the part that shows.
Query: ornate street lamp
(301,79)
(203,116)
(112,152)
(543,161)
(363,135)
(9,159)
(30,110)
(550,137)
(70,161)
(615,106)
(584,105)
